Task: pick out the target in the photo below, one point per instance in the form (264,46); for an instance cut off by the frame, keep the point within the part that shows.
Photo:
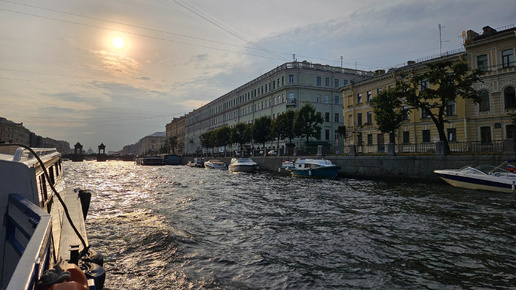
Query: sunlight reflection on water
(179,227)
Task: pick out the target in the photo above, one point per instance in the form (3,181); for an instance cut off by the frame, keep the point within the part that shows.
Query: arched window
(484,105)
(509,97)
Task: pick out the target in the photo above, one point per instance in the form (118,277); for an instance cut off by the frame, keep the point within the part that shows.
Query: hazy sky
(61,75)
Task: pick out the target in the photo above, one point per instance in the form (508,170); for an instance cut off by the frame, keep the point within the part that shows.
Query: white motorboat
(485,177)
(43,242)
(242,165)
(215,164)
(313,167)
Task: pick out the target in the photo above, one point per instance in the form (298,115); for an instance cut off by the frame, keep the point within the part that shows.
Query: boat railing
(27,242)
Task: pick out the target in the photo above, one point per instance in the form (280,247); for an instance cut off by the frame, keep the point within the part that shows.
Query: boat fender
(85,198)
(95,272)
(93,256)
(53,276)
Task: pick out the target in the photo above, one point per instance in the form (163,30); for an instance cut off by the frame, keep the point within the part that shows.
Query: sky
(63,77)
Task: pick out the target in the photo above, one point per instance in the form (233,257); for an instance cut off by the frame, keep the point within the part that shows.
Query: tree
(222,136)
(239,134)
(307,122)
(172,144)
(205,140)
(261,131)
(282,126)
(389,112)
(447,81)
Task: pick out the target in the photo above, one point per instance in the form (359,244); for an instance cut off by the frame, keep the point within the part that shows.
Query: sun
(118,42)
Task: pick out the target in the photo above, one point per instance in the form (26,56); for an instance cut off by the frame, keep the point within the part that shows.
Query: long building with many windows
(286,87)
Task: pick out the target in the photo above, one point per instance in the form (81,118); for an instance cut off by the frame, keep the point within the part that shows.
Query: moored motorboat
(215,164)
(312,167)
(197,162)
(43,237)
(484,177)
(243,164)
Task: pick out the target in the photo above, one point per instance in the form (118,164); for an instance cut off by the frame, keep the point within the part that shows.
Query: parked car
(272,152)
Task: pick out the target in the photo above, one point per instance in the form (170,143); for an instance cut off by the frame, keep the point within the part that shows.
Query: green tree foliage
(389,111)
(307,122)
(261,131)
(222,136)
(447,81)
(240,134)
(282,126)
(205,140)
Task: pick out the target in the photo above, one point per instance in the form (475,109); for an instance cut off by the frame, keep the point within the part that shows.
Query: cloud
(116,64)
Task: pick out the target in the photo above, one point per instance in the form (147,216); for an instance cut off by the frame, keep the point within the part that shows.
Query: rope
(65,208)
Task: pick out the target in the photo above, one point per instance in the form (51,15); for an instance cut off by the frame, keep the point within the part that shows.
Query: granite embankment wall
(388,167)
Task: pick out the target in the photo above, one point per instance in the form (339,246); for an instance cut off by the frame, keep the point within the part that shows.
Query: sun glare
(118,42)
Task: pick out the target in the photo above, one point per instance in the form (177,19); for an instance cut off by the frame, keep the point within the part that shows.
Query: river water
(176,227)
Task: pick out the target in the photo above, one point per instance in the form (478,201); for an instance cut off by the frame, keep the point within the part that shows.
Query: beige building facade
(176,128)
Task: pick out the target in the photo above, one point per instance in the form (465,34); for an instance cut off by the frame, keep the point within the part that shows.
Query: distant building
(12,132)
(152,143)
(176,128)
(132,149)
(287,87)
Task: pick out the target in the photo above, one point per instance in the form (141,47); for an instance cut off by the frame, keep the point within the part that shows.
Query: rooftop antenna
(341,61)
(294,56)
(440,40)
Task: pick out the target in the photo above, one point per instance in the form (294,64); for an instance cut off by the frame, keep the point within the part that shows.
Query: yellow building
(493,52)
(467,121)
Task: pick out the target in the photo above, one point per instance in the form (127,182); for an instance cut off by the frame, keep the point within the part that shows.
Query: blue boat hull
(322,172)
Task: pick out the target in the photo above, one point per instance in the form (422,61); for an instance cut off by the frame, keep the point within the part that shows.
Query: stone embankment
(387,167)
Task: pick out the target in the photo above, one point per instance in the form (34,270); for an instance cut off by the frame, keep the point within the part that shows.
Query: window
(327,82)
(326,117)
(327,134)
(485,135)
(360,141)
(369,139)
(369,118)
(290,79)
(450,108)
(336,100)
(283,80)
(484,105)
(369,96)
(291,98)
(336,83)
(509,97)
(326,99)
(424,114)
(482,62)
(359,98)
(318,98)
(423,85)
(378,91)
(452,135)
(359,119)
(510,131)
(337,118)
(344,82)
(426,135)
(318,81)
(507,58)
(406,137)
